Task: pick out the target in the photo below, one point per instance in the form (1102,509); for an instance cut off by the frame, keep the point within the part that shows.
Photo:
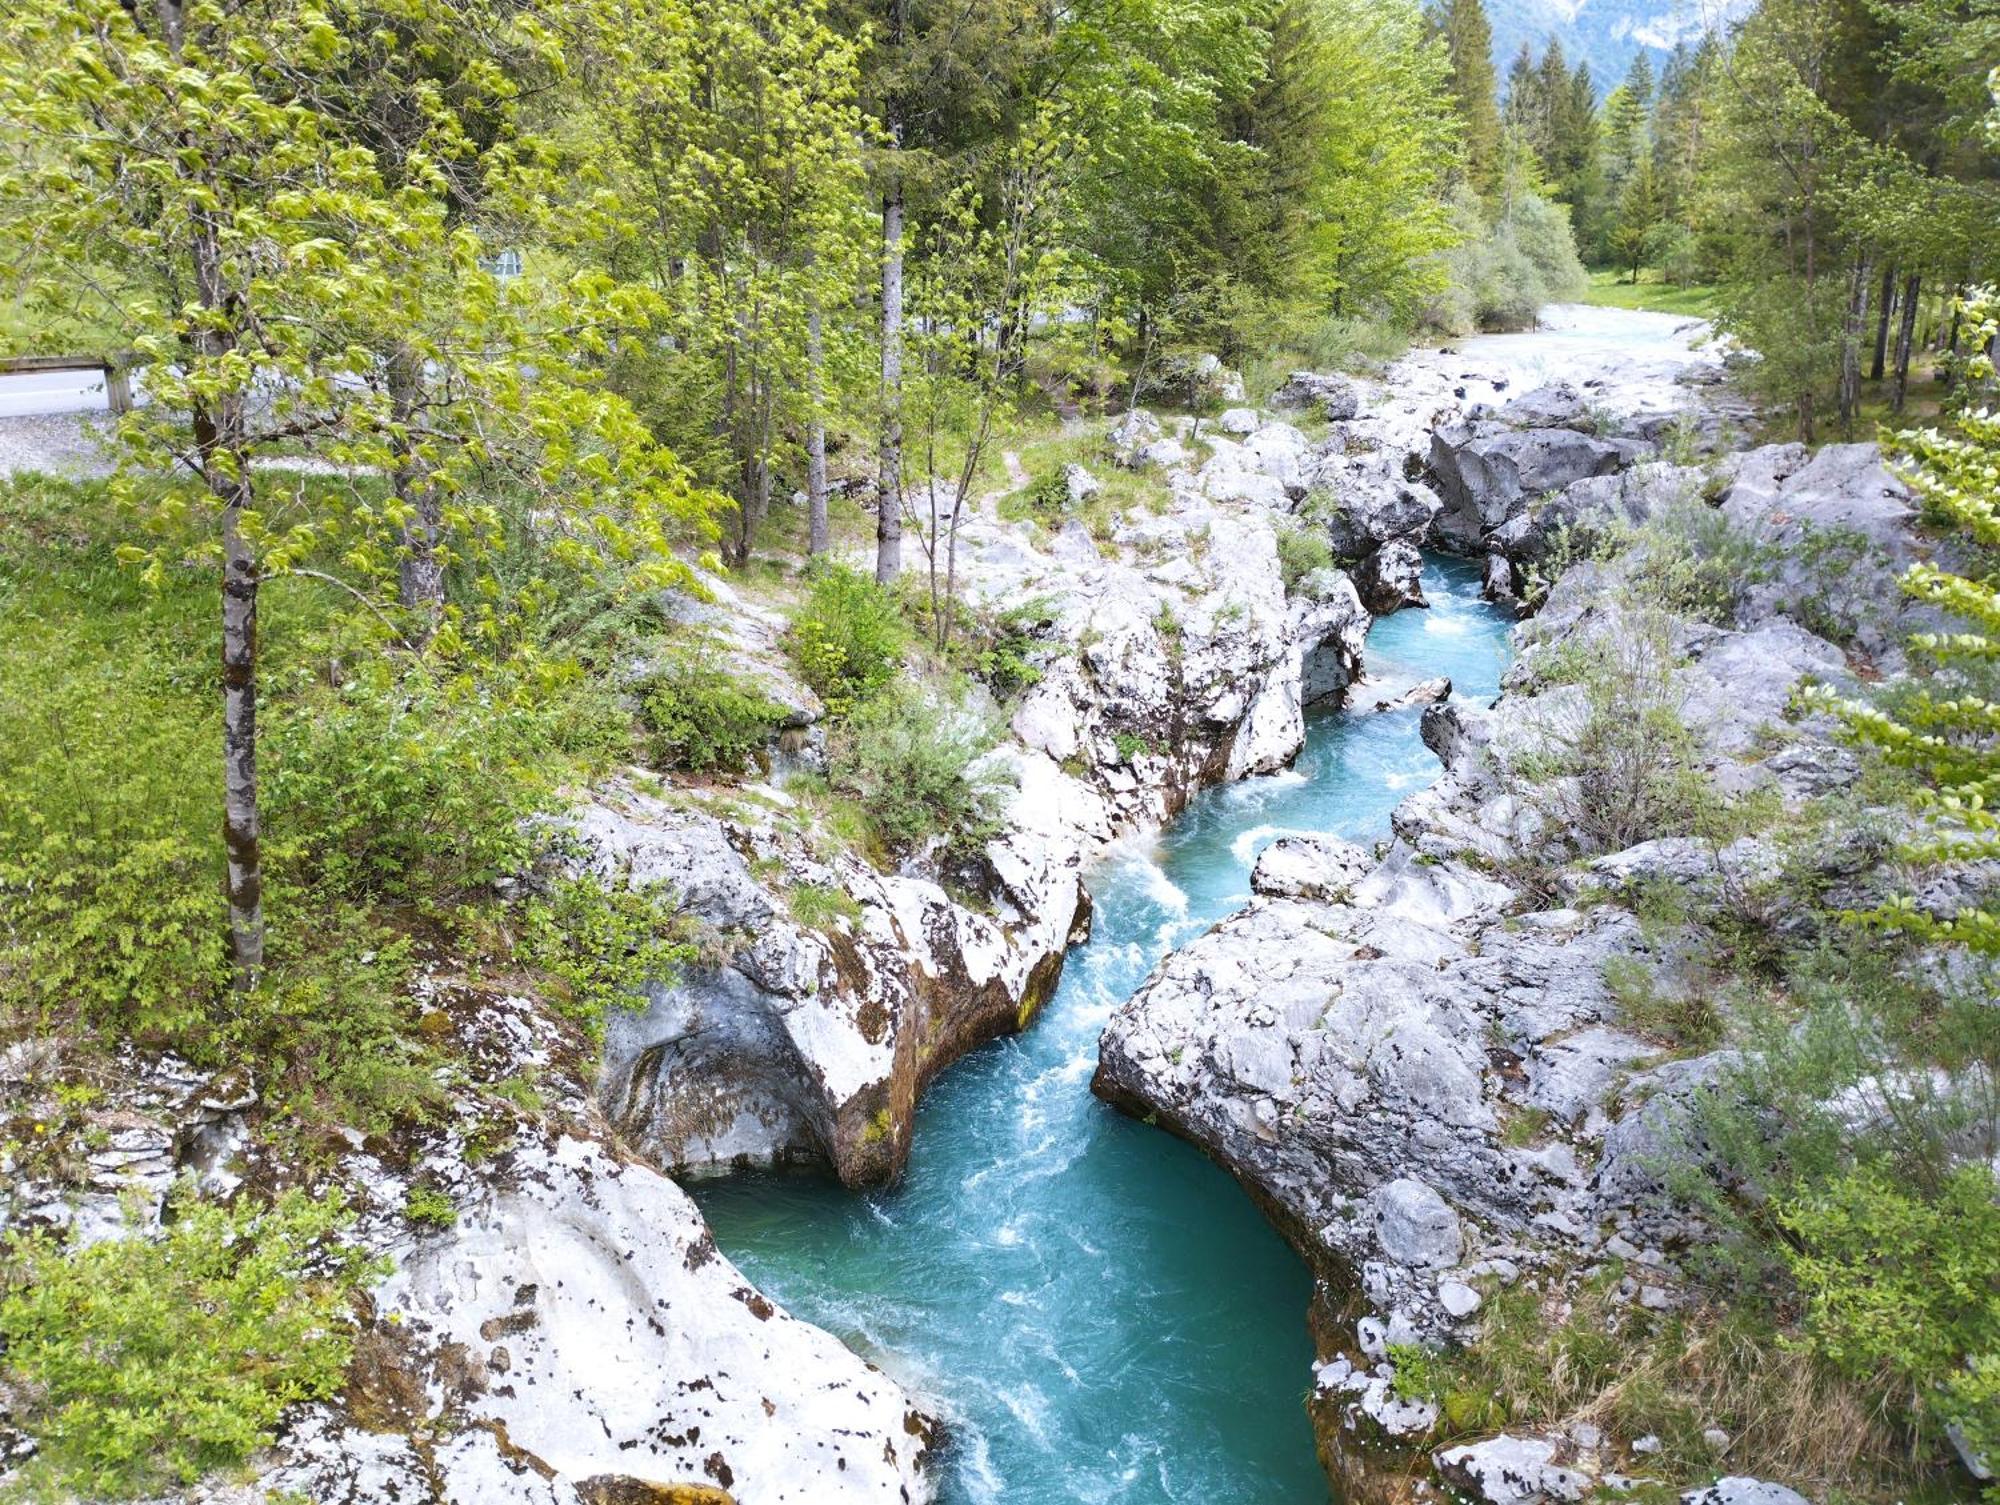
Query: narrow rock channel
(1098,1311)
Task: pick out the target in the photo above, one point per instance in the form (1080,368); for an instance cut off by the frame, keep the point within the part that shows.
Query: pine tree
(1946,730)
(1472,81)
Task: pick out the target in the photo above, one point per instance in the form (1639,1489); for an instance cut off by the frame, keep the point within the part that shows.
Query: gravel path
(62,444)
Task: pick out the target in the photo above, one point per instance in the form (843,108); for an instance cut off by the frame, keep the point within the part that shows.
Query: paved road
(28,393)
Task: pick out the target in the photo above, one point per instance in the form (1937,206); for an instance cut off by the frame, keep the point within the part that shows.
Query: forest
(666,561)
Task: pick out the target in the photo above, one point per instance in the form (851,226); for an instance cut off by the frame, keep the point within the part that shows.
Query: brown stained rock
(622,1489)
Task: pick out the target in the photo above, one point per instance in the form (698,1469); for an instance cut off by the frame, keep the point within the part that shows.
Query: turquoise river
(1098,1312)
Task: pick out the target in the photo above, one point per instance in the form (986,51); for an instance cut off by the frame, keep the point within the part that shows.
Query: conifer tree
(1471,78)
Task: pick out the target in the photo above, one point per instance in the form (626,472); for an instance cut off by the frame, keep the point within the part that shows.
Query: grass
(1674,1375)
(1612,288)
(1044,454)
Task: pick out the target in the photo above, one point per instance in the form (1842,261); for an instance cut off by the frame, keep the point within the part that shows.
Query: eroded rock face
(707,1381)
(570,1335)
(814,1034)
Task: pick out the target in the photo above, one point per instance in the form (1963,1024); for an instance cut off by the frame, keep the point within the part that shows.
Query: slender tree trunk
(1850,344)
(889,472)
(1951,340)
(221,430)
(818,537)
(420,575)
(1905,337)
(241,818)
(1882,323)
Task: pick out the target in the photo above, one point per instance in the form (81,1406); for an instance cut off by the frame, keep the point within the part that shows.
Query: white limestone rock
(1510,1470)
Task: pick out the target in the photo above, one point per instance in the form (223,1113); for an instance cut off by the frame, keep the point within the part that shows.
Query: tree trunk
(1882,324)
(818,539)
(1905,337)
(221,429)
(889,474)
(241,818)
(420,575)
(1850,345)
(1951,340)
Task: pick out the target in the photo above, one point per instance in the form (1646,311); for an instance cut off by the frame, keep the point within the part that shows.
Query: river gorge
(1101,1314)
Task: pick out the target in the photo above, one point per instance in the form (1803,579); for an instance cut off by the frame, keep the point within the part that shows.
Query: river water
(1098,1311)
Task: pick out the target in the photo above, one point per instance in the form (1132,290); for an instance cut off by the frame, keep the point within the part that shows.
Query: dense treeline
(1823,164)
(625,277)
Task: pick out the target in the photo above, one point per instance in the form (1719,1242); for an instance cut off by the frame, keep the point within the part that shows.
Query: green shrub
(1048,496)
(703,719)
(847,639)
(141,1363)
(1301,551)
(1006,642)
(1131,747)
(430,1206)
(1612,763)
(400,789)
(1673,1009)
(1904,1288)
(600,947)
(1692,561)
(908,763)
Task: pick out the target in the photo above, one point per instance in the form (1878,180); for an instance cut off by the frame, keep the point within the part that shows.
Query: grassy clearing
(1613,288)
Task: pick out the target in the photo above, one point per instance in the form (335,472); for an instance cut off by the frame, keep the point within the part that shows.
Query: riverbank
(1484,1080)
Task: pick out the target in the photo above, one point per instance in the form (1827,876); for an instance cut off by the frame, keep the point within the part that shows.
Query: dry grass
(1548,1364)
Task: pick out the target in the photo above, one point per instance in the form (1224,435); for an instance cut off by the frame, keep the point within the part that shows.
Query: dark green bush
(598,947)
(847,638)
(1301,551)
(1904,1288)
(703,719)
(908,763)
(400,789)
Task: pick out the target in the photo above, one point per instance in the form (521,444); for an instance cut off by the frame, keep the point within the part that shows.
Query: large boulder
(1509,1470)
(1556,405)
(1391,578)
(1335,396)
(1738,1490)
(1129,437)
(1834,530)
(1487,472)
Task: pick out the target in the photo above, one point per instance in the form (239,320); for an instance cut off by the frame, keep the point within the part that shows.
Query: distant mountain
(1607,34)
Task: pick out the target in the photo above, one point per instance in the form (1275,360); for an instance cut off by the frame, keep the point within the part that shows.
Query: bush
(908,762)
(109,866)
(703,719)
(1691,561)
(1904,1289)
(1503,272)
(141,1363)
(1301,552)
(601,947)
(401,789)
(847,639)
(1612,764)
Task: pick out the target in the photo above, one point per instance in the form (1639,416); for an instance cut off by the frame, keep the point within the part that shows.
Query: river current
(1099,1312)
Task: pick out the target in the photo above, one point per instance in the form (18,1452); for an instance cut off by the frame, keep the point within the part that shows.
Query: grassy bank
(1613,288)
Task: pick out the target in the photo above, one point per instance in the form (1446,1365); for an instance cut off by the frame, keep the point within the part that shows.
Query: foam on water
(1097,1311)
